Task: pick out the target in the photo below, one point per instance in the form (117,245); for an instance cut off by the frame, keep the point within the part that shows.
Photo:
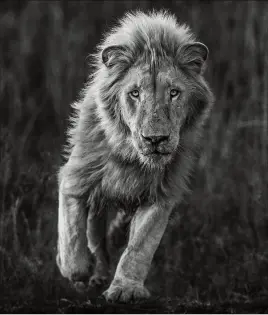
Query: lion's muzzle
(155,144)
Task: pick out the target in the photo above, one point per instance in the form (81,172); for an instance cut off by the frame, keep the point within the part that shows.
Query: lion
(132,145)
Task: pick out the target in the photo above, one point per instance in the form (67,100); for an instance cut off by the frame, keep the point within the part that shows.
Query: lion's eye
(174,93)
(135,93)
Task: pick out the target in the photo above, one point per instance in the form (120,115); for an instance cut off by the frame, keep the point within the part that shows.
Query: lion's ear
(113,55)
(193,56)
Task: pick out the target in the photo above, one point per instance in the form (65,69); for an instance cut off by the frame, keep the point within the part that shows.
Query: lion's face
(152,97)
(153,105)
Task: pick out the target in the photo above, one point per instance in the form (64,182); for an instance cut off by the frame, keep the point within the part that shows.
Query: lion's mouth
(157,158)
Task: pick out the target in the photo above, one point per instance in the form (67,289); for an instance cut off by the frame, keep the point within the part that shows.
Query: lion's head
(150,87)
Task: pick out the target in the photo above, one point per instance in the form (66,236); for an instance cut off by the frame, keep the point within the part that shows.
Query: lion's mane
(99,149)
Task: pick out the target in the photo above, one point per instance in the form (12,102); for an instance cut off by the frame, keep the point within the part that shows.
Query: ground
(151,307)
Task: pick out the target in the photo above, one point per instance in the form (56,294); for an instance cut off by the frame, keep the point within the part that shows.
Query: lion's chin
(156,159)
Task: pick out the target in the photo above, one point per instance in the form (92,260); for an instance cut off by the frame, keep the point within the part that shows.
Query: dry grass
(217,250)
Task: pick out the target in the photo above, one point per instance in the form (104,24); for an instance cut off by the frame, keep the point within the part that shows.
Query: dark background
(216,247)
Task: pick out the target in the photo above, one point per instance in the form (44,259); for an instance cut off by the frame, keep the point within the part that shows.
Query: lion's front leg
(147,228)
(73,257)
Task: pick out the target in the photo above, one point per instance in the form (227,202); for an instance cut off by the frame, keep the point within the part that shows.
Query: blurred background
(216,246)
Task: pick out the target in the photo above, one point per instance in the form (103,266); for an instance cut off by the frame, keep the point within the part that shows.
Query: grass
(215,249)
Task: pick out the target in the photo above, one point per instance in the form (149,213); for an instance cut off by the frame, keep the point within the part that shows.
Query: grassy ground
(163,306)
(216,247)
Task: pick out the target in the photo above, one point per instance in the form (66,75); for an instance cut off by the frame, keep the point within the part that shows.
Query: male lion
(131,147)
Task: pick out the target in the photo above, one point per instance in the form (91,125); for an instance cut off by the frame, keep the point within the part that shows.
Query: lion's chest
(126,183)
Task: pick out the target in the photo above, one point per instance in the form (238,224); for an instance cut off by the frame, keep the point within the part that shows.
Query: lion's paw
(79,282)
(80,287)
(98,280)
(126,293)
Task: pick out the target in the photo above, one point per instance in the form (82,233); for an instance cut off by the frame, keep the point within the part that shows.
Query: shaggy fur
(111,163)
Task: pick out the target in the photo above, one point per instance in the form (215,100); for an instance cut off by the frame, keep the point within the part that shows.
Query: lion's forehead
(159,80)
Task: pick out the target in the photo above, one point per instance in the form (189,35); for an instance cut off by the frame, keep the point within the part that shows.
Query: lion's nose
(155,139)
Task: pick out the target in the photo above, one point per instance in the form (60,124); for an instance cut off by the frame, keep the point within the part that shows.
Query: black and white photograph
(133,156)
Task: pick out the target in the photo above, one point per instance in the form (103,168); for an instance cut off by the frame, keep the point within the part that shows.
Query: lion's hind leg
(73,257)
(96,237)
(118,230)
